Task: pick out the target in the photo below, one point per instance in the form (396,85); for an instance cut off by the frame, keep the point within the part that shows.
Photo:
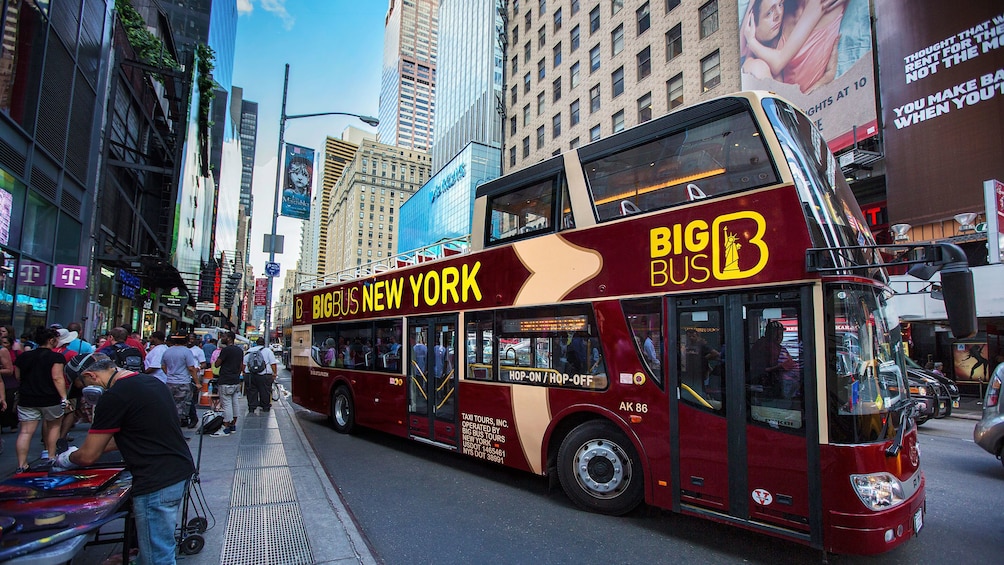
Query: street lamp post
(368,120)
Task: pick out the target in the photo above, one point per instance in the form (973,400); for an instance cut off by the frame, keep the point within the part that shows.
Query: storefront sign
(70,276)
(31,273)
(175,299)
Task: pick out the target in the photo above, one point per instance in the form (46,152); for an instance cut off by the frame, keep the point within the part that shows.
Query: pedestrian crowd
(137,394)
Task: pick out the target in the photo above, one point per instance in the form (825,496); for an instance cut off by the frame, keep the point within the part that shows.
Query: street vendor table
(59,512)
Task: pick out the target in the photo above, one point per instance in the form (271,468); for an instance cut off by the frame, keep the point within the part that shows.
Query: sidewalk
(268,500)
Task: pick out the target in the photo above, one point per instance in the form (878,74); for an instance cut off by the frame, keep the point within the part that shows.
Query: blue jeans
(156,516)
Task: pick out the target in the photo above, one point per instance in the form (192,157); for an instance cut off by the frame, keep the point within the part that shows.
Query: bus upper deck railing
(439,250)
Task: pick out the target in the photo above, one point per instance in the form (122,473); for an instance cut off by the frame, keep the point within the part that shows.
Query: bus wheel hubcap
(602,469)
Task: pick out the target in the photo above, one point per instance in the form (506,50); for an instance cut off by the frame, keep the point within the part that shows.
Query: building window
(617,78)
(575,7)
(643,17)
(594,20)
(674,42)
(540,137)
(541,64)
(594,133)
(671,5)
(557,19)
(512,125)
(594,98)
(556,89)
(617,39)
(540,102)
(557,55)
(644,63)
(512,156)
(574,78)
(542,37)
(573,113)
(574,143)
(526,52)
(615,6)
(515,65)
(618,121)
(711,72)
(526,115)
(645,108)
(526,147)
(555,126)
(527,19)
(515,34)
(709,18)
(674,90)
(594,58)
(543,7)
(526,83)
(575,38)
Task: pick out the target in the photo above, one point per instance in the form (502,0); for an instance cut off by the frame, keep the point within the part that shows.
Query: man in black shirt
(229,361)
(136,415)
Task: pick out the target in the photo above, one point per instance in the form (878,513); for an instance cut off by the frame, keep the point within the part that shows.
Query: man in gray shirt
(181,368)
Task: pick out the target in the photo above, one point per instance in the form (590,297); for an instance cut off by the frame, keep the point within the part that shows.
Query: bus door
(432,379)
(739,413)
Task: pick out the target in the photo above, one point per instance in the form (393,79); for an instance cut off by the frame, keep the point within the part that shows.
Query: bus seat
(694,192)
(628,208)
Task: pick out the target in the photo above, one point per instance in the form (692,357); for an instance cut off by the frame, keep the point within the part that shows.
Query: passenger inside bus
(775,379)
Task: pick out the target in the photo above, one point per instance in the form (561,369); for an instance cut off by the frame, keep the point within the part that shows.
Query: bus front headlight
(878,491)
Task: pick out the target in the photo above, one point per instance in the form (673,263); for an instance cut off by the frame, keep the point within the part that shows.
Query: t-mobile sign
(70,276)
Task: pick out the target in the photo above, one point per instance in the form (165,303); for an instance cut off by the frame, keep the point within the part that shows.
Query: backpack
(127,357)
(256,362)
(210,425)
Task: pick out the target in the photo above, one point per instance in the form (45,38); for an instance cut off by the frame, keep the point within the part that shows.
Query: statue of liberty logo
(732,247)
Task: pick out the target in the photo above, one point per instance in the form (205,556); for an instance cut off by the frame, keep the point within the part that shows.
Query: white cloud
(276,7)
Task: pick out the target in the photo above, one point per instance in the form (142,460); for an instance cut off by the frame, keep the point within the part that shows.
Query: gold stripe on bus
(653,188)
(556,267)
(531,415)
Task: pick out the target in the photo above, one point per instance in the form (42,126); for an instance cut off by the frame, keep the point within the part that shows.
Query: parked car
(948,382)
(925,394)
(989,432)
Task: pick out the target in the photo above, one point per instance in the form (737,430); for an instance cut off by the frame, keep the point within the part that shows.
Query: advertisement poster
(820,60)
(298,182)
(941,66)
(260,291)
(970,361)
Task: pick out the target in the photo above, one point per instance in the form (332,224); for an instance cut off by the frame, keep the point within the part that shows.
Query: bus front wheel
(598,469)
(343,412)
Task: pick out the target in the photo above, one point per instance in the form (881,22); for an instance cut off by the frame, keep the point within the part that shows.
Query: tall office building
(408,78)
(249,138)
(338,153)
(580,71)
(469,82)
(366,202)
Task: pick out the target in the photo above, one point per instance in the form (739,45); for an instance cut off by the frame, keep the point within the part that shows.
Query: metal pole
(275,205)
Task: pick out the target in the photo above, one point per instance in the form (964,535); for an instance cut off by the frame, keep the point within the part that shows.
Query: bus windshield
(865,379)
(832,213)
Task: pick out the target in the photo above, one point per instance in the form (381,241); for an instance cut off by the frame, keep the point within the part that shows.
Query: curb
(356,539)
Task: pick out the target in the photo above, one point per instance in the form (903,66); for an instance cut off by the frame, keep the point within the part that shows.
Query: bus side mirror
(960,301)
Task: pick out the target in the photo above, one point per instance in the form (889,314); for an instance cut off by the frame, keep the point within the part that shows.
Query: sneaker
(251,412)
(20,470)
(222,432)
(232,429)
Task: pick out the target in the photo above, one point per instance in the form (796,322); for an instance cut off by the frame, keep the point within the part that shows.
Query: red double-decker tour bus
(691,313)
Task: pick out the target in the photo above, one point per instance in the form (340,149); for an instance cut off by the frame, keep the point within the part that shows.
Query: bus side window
(775,373)
(644,320)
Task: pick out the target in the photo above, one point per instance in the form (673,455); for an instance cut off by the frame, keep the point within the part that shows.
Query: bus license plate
(918,521)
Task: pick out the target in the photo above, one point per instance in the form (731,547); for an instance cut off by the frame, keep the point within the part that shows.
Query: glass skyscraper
(408,78)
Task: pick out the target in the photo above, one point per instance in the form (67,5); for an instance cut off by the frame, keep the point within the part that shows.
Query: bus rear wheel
(599,470)
(343,412)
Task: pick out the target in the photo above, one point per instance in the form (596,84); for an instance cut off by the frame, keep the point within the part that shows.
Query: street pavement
(266,497)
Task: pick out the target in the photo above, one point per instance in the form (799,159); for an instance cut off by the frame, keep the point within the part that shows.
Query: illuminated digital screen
(545,325)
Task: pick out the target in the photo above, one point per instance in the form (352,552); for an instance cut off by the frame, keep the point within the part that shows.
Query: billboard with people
(299,182)
(817,54)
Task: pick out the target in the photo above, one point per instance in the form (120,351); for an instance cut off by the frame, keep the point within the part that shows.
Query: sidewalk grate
(267,435)
(264,485)
(272,534)
(270,455)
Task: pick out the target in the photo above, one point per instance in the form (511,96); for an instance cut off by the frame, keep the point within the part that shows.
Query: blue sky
(334,49)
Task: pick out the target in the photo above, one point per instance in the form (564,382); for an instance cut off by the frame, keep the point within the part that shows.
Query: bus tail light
(994,394)
(878,491)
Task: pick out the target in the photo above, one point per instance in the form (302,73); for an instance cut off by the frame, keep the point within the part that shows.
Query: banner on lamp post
(260,291)
(298,182)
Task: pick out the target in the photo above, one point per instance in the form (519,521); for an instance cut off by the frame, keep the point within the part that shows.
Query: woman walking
(8,418)
(43,394)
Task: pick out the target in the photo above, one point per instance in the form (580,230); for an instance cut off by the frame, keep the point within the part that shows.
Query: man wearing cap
(181,369)
(137,416)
